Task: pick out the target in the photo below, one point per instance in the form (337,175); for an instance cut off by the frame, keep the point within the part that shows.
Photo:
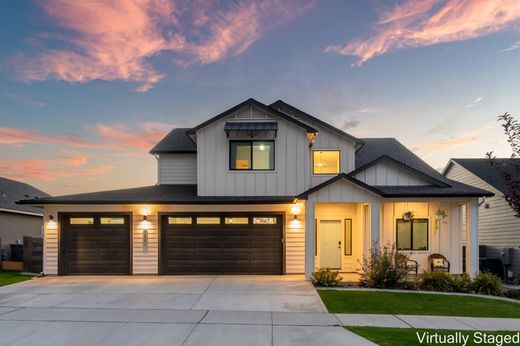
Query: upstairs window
(325,162)
(251,155)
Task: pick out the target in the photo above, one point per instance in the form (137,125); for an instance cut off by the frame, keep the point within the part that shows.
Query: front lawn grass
(408,336)
(370,302)
(8,277)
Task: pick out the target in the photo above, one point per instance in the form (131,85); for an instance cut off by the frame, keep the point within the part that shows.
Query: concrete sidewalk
(430,322)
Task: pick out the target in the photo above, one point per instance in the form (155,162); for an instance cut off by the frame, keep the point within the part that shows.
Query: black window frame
(251,144)
(411,234)
(349,252)
(339,161)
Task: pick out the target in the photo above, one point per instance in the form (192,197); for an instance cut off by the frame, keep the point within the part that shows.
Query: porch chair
(438,262)
(404,262)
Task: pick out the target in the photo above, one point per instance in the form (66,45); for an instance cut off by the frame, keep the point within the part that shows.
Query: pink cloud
(114,136)
(113,40)
(423,23)
(46,170)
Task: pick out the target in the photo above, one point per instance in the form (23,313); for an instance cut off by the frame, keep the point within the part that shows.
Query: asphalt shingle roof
(158,194)
(12,191)
(483,169)
(177,141)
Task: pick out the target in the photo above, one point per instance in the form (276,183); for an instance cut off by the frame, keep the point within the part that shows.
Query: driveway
(173,310)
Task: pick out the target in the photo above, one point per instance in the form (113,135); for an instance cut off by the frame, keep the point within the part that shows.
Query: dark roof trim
(285,200)
(398,163)
(253,102)
(251,126)
(281,104)
(340,176)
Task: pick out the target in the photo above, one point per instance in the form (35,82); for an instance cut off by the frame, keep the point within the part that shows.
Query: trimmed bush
(325,277)
(436,281)
(380,270)
(487,283)
(462,283)
(408,285)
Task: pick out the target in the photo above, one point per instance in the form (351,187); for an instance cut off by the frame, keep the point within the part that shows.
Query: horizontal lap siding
(178,169)
(146,258)
(497,224)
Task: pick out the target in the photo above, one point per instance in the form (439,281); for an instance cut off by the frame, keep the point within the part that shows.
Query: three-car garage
(189,243)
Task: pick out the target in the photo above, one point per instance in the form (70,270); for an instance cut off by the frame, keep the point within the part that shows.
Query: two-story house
(264,189)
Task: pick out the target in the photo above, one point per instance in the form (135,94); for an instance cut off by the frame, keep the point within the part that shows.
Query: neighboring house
(17,221)
(262,189)
(498,226)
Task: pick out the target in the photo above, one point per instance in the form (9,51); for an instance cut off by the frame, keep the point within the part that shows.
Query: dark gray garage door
(221,244)
(95,244)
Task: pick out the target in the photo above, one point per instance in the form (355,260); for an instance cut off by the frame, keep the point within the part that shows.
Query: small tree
(511,172)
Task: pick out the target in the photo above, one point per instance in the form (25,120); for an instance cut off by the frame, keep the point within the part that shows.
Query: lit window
(325,161)
(81,220)
(264,221)
(116,220)
(412,235)
(236,220)
(348,237)
(251,155)
(208,220)
(179,220)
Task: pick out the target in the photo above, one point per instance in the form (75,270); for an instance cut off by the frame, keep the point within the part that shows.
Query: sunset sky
(88,87)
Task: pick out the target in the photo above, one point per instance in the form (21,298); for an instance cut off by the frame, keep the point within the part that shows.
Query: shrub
(407,285)
(462,283)
(436,281)
(380,269)
(326,278)
(487,283)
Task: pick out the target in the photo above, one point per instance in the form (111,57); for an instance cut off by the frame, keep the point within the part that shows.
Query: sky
(88,87)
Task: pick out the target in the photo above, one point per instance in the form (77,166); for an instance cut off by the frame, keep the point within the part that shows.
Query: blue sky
(86,88)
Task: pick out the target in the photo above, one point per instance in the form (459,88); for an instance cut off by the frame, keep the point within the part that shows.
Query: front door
(330,244)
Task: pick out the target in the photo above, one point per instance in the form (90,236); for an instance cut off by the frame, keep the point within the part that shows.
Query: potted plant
(408,215)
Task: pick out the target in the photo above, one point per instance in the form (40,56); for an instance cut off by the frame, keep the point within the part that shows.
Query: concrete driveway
(187,310)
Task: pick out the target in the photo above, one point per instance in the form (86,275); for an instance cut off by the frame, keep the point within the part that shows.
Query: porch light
(295,210)
(51,223)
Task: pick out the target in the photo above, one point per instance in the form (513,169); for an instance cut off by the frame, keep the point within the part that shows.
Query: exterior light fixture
(145,217)
(51,224)
(295,210)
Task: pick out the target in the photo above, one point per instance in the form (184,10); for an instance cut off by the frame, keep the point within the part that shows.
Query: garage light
(51,224)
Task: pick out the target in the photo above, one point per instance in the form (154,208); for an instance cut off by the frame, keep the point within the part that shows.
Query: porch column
(310,238)
(472,237)
(375,219)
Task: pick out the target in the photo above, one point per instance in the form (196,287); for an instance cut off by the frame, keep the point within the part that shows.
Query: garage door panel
(95,248)
(221,248)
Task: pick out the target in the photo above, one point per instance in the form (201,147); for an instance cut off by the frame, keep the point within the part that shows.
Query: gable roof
(386,158)
(483,169)
(177,141)
(12,191)
(253,102)
(280,105)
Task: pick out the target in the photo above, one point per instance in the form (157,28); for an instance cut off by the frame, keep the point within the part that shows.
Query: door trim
(61,250)
(340,239)
(219,214)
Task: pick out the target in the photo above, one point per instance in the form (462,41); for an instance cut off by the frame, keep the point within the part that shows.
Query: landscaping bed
(409,336)
(410,303)
(8,277)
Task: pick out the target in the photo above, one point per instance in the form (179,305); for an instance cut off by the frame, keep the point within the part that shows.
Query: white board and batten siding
(145,258)
(388,174)
(177,168)
(497,225)
(289,177)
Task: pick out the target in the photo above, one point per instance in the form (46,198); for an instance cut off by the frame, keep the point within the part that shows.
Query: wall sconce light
(51,224)
(145,217)
(295,210)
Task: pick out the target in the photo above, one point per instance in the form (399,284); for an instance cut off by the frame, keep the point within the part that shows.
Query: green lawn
(8,277)
(369,302)
(408,336)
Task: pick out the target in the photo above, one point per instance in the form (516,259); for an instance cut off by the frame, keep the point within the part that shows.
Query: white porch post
(375,217)
(310,238)
(472,237)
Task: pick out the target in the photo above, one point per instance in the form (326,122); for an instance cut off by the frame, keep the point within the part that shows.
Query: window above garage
(251,155)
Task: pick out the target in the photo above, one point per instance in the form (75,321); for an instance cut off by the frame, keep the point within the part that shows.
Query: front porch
(340,232)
